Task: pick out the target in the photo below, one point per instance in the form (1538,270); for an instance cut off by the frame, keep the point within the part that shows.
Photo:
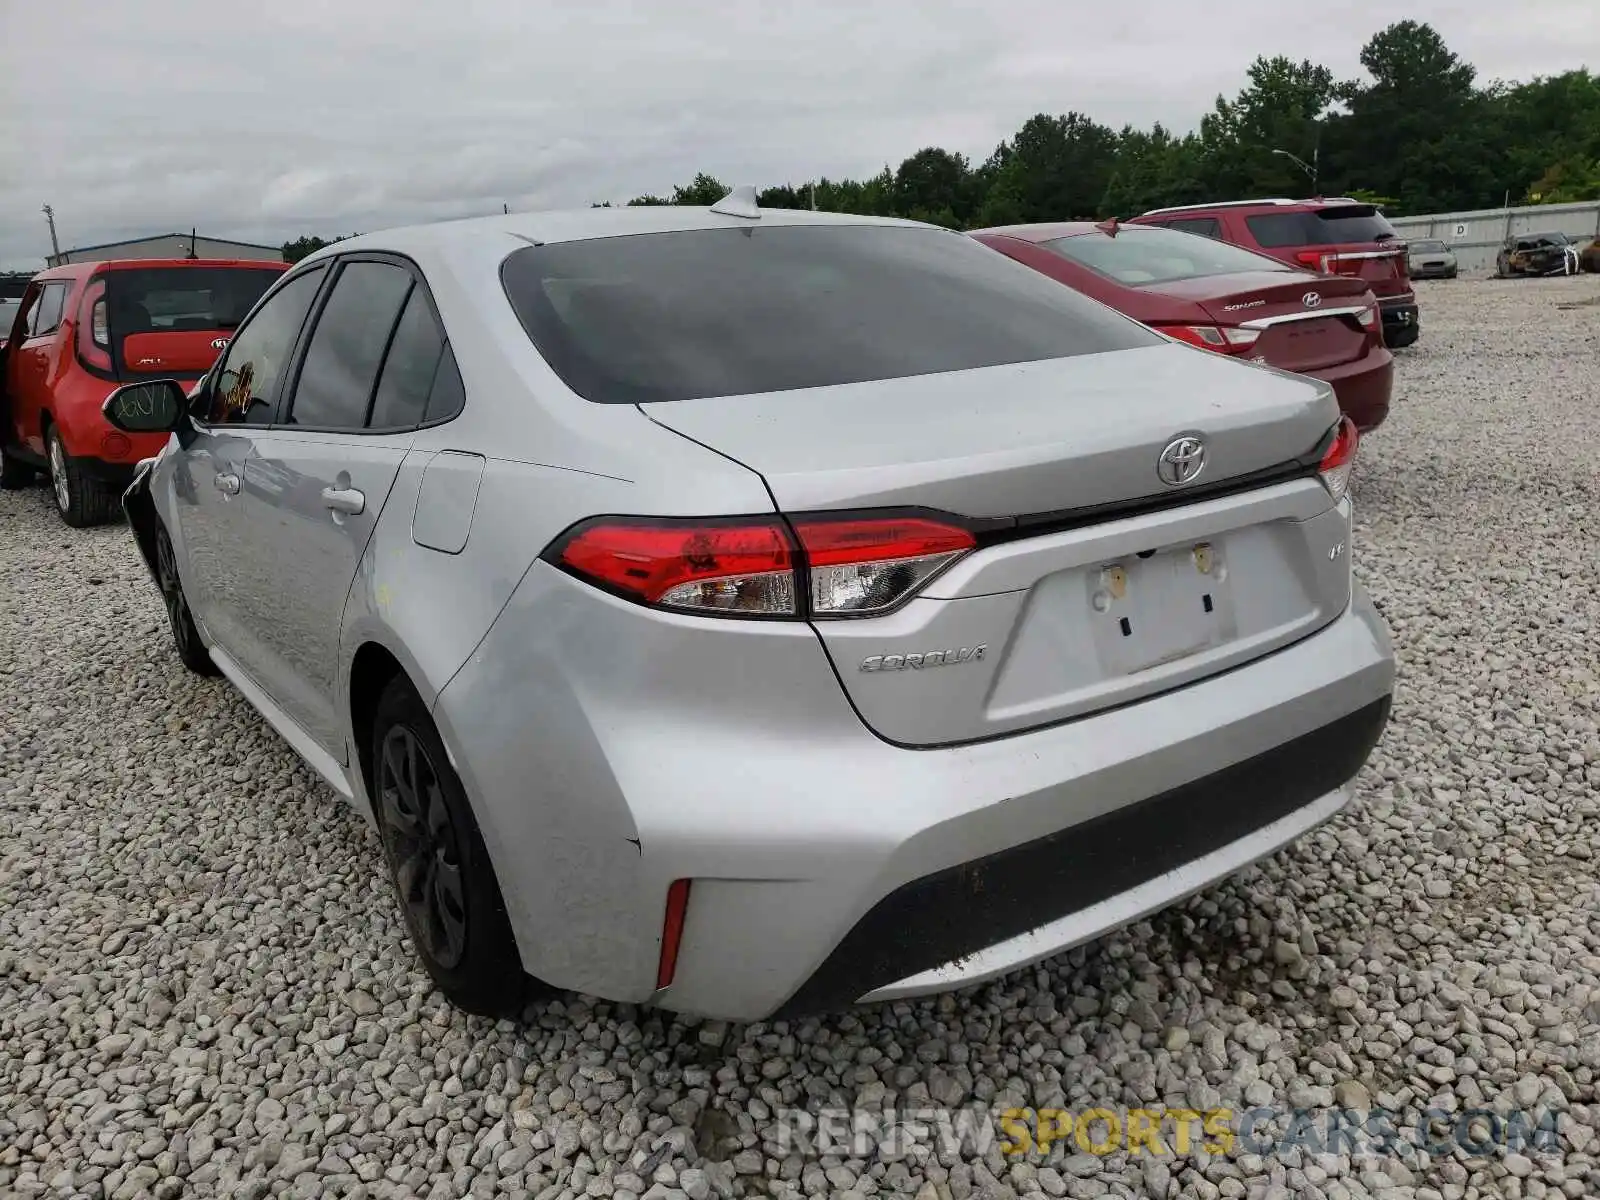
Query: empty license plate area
(1156,607)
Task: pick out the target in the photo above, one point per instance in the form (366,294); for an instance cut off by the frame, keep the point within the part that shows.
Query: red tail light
(1340,460)
(864,567)
(746,568)
(94,331)
(672,931)
(1227,339)
(858,566)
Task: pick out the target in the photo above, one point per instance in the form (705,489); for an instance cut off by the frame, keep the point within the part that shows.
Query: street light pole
(50,216)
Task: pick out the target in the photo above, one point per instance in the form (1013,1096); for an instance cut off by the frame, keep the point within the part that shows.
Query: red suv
(1333,237)
(85,328)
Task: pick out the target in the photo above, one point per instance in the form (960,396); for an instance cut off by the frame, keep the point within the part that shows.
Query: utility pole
(50,216)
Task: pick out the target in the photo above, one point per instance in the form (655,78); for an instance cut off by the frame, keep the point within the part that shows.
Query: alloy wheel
(172,592)
(58,473)
(422,839)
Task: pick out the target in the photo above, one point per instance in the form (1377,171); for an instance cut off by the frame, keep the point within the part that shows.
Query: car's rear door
(319,478)
(224,577)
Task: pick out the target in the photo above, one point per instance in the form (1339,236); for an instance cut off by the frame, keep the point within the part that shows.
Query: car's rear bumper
(829,866)
(1364,387)
(1433,271)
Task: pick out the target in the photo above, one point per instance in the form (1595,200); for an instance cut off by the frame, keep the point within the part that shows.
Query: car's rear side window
(47,313)
(1336,226)
(1204,226)
(347,345)
(720,312)
(1140,255)
(409,367)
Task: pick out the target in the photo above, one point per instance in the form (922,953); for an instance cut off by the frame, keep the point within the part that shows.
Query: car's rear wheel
(440,867)
(80,499)
(185,635)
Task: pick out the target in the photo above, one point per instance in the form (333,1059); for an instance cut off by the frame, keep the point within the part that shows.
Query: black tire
(438,864)
(15,475)
(81,500)
(185,636)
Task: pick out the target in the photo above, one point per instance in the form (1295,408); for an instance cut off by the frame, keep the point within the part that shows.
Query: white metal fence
(1476,237)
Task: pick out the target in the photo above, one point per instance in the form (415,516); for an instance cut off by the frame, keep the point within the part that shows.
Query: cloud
(271,120)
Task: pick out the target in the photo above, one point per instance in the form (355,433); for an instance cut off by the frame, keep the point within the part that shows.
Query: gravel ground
(205,988)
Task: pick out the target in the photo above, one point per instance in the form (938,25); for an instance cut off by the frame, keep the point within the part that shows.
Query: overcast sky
(283,117)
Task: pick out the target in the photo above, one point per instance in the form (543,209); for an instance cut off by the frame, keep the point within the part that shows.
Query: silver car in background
(1429,258)
(757,612)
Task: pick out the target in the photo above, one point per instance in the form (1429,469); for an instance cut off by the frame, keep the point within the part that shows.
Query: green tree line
(1420,134)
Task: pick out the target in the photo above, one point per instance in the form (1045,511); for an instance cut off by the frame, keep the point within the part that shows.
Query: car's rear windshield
(177,299)
(721,312)
(1428,247)
(1140,255)
(1340,225)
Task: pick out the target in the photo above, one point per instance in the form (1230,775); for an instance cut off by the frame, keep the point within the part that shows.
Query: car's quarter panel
(611,750)
(311,501)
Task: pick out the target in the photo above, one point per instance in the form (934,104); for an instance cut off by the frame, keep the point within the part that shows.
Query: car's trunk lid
(1304,323)
(1024,438)
(1094,582)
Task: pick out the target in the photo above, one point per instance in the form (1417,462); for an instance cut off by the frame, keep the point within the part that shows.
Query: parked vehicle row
(755,612)
(84,328)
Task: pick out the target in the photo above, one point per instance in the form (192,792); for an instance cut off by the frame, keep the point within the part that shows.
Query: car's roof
(567,225)
(78,270)
(1281,204)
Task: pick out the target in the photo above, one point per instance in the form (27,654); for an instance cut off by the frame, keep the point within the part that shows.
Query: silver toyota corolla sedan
(756,612)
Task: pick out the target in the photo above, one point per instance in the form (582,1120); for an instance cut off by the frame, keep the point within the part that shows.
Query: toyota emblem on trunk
(1182,461)
(1311,299)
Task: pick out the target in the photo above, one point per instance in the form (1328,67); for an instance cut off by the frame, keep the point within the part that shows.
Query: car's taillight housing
(1224,339)
(819,566)
(94,329)
(1340,459)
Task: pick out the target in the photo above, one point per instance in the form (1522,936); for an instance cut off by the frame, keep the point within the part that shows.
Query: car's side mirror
(154,407)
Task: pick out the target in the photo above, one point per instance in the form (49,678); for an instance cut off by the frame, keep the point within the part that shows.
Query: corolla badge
(219,343)
(932,658)
(1182,461)
(1311,299)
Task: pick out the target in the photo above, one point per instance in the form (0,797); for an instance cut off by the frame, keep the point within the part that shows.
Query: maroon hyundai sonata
(1221,298)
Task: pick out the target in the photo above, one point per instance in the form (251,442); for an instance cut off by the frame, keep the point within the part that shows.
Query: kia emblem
(219,343)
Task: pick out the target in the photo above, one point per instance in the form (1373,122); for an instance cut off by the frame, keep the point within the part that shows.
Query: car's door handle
(228,482)
(344,500)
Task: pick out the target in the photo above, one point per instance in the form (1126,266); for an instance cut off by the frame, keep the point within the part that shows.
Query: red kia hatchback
(1334,237)
(84,329)
(1221,298)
